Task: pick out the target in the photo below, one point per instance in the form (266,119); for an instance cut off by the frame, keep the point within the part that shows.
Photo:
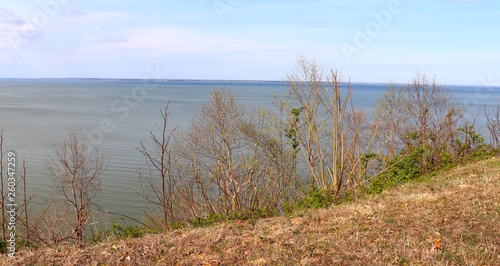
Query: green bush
(446,160)
(407,167)
(117,230)
(315,199)
(207,221)
(126,231)
(404,167)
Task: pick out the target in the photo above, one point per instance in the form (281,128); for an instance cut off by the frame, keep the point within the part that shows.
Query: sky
(367,40)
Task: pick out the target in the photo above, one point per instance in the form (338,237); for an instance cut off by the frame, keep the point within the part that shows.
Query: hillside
(451,218)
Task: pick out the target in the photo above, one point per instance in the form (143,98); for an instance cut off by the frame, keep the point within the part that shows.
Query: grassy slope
(458,209)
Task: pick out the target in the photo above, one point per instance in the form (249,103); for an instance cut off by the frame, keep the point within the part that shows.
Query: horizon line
(235,80)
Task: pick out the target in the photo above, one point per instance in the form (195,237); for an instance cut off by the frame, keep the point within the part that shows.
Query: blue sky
(368,40)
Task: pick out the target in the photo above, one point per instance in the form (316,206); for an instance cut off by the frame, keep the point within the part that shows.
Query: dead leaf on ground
(436,242)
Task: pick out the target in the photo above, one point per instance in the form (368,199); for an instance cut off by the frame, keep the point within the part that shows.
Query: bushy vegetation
(117,231)
(312,150)
(424,131)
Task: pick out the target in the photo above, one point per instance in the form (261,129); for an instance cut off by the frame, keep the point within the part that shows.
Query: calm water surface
(35,114)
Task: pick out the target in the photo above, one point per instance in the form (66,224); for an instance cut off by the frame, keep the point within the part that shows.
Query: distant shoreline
(183,80)
(214,81)
(160,80)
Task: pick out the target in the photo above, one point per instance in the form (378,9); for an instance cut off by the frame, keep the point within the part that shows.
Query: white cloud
(26,31)
(70,11)
(92,26)
(8,17)
(178,41)
(94,17)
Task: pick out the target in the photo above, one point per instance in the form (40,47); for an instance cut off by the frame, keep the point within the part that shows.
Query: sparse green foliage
(290,132)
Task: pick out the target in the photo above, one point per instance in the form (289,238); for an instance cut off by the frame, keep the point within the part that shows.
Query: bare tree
(212,144)
(226,162)
(76,167)
(160,177)
(393,119)
(222,173)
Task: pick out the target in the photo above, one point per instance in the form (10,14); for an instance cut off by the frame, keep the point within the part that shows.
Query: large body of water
(35,114)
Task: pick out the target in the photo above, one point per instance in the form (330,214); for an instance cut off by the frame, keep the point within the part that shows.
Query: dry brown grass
(452,219)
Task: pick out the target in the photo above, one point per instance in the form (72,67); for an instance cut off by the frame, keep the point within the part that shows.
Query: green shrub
(446,160)
(408,166)
(471,146)
(315,199)
(404,167)
(126,231)
(117,230)
(207,221)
